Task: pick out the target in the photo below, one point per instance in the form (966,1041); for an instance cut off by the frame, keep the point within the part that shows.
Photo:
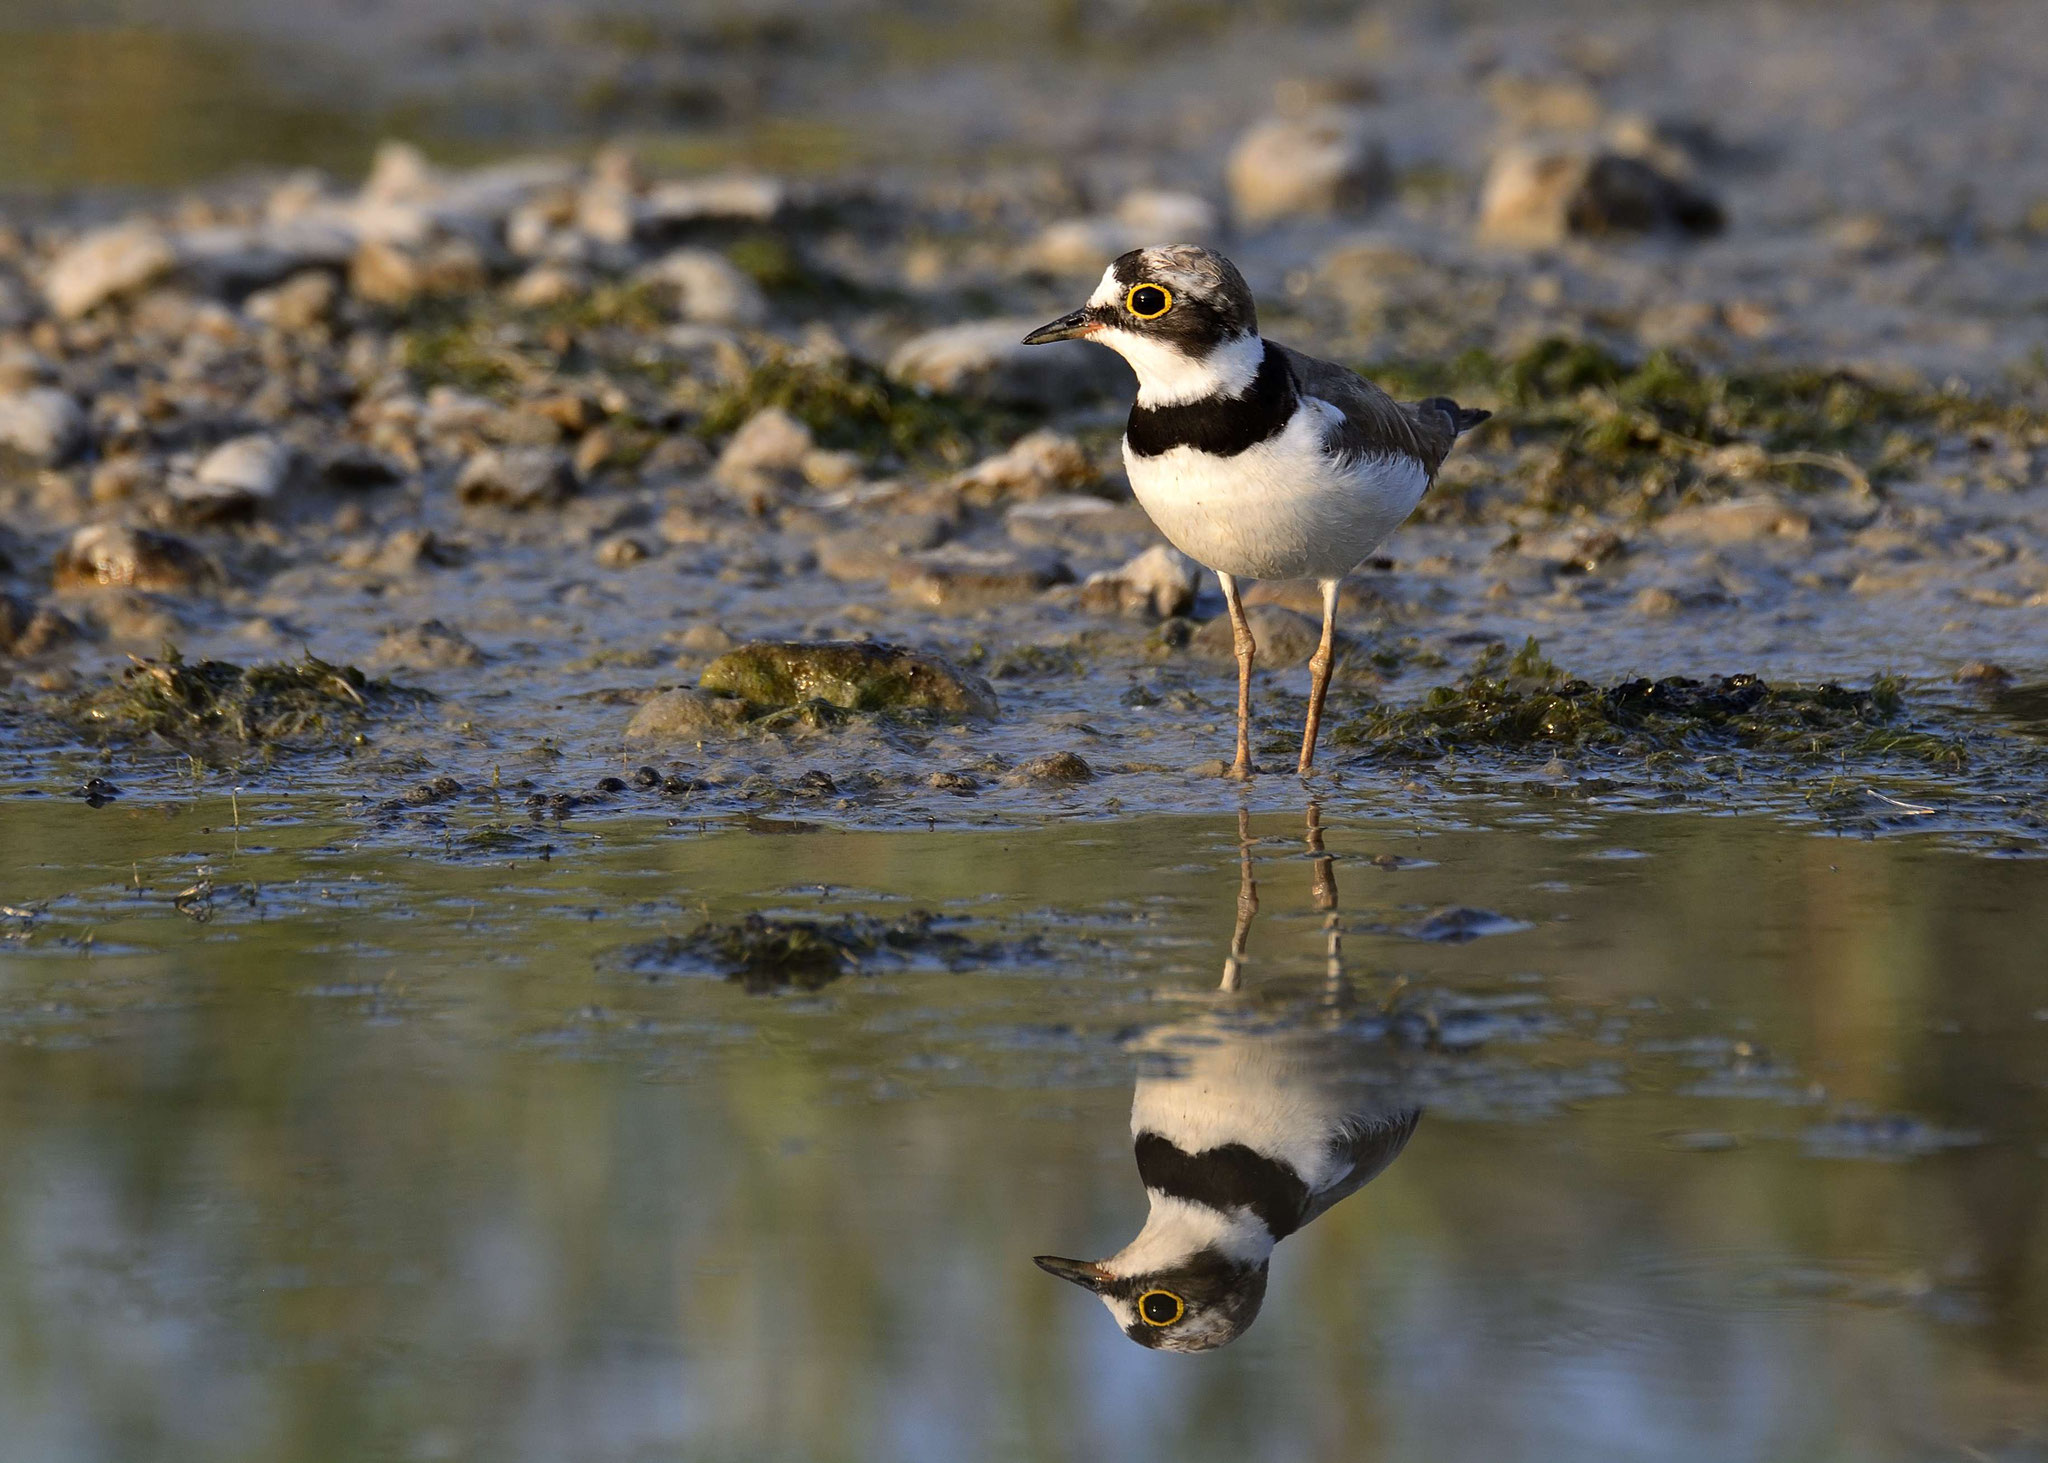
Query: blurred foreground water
(320,1148)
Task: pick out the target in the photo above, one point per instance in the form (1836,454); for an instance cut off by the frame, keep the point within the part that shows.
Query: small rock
(855,675)
(429,645)
(1982,673)
(1458,924)
(1283,638)
(106,263)
(233,480)
(108,556)
(740,197)
(1055,769)
(1656,602)
(123,478)
(304,302)
(764,459)
(620,550)
(385,273)
(517,477)
(548,284)
(43,424)
(1736,521)
(710,288)
(705,640)
(1159,582)
(26,632)
(1035,465)
(1081,246)
(1321,163)
(1537,198)
(826,469)
(955,576)
(987,359)
(685,715)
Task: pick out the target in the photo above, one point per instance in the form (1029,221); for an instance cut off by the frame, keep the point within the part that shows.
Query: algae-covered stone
(685,716)
(855,675)
(114,556)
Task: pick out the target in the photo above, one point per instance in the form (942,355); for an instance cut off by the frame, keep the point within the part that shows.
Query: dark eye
(1160,1307)
(1148,301)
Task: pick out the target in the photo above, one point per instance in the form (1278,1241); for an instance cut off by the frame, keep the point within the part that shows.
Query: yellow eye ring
(1146,1309)
(1131,300)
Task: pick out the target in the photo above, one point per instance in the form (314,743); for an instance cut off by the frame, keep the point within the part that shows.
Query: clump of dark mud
(214,707)
(1524,703)
(765,953)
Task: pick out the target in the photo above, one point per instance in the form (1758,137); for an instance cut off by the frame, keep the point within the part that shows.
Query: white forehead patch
(1109,292)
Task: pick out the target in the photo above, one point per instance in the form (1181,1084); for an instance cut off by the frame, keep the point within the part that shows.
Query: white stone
(106,263)
(1035,465)
(1164,216)
(1161,581)
(42,423)
(256,465)
(740,196)
(713,290)
(768,441)
(1320,163)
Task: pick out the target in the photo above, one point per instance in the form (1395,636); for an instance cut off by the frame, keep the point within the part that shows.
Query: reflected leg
(1247,904)
(1241,637)
(1336,987)
(1319,677)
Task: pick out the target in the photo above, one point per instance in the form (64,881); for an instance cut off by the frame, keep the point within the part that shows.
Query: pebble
(987,359)
(764,460)
(26,631)
(43,424)
(1324,162)
(235,478)
(1537,197)
(711,290)
(106,263)
(115,556)
(304,302)
(685,715)
(429,645)
(1055,769)
(1159,582)
(619,551)
(955,576)
(548,284)
(737,197)
(1283,637)
(517,477)
(1035,465)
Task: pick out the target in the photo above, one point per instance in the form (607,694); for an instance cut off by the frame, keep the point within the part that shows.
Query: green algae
(852,675)
(216,707)
(849,403)
(1597,431)
(1523,703)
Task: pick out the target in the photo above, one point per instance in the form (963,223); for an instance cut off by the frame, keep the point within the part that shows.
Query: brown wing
(1374,423)
(1368,1145)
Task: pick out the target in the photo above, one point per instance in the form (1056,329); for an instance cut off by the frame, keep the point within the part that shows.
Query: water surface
(1737,1144)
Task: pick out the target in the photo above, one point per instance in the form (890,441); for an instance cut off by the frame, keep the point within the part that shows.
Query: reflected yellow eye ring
(1150,1311)
(1131,304)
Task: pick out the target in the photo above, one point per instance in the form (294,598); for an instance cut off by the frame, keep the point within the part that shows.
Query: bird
(1245,1129)
(1254,459)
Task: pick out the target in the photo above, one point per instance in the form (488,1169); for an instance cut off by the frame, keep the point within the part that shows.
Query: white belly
(1281,509)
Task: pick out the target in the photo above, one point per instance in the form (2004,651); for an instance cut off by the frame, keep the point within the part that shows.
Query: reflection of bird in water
(1248,1124)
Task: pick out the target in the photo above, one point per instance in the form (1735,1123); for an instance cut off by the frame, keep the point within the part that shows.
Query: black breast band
(1230,1177)
(1220,426)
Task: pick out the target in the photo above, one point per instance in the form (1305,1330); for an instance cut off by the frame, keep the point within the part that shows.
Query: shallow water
(1736,1142)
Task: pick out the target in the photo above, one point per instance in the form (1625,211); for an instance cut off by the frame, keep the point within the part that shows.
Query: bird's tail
(1463,418)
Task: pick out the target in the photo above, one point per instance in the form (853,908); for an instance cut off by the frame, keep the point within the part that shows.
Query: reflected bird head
(1207,1300)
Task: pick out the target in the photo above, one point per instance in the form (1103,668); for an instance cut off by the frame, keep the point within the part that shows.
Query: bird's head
(1197,1303)
(1180,314)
